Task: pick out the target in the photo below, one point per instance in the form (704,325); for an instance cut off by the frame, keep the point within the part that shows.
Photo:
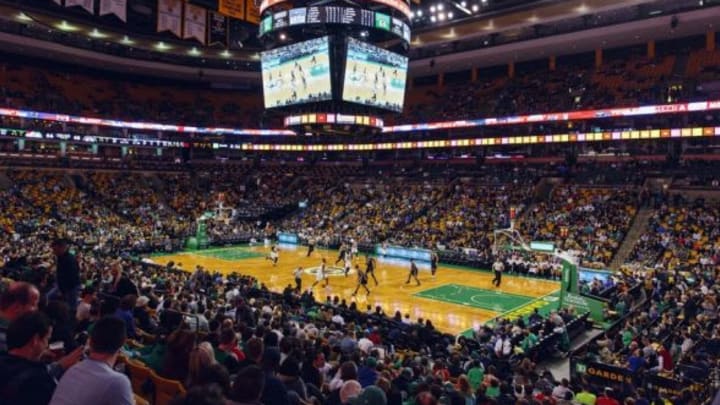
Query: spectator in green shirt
(627,337)
(529,341)
(493,391)
(585,397)
(475,375)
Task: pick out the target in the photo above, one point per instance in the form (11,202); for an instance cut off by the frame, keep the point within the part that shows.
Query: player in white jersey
(348,264)
(274,255)
(354,248)
(321,274)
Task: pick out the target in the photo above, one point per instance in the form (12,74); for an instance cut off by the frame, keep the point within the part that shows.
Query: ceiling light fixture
(64,26)
(23,17)
(97,34)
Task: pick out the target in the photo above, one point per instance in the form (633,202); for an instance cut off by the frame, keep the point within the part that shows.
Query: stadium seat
(165,390)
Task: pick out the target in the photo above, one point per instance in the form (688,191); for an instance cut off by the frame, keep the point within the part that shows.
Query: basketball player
(341,254)
(320,275)
(413,272)
(498,268)
(348,264)
(311,246)
(362,281)
(370,268)
(273,256)
(434,259)
(353,249)
(298,278)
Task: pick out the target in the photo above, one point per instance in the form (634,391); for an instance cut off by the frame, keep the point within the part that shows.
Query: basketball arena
(376,202)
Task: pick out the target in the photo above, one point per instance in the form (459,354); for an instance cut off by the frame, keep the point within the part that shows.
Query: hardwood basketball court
(457,300)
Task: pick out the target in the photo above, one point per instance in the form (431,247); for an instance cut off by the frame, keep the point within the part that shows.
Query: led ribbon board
(320,15)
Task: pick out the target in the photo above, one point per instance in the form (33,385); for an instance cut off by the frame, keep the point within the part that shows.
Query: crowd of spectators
(680,233)
(200,328)
(74,91)
(674,334)
(229,338)
(466,217)
(591,221)
(630,80)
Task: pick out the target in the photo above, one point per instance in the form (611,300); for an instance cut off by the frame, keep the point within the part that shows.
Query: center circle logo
(330,271)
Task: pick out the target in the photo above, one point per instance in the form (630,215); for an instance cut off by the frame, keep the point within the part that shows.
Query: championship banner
(269,3)
(170,16)
(116,7)
(195,22)
(218,29)
(88,5)
(233,8)
(252,12)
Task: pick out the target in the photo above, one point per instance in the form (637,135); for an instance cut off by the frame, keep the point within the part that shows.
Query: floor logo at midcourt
(332,271)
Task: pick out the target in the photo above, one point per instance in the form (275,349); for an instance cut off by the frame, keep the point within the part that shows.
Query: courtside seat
(139,400)
(139,375)
(165,390)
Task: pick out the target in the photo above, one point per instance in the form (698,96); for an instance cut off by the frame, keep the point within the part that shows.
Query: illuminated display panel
(297,73)
(319,15)
(374,76)
(332,118)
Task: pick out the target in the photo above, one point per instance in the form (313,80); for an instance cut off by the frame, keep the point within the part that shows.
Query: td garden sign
(604,373)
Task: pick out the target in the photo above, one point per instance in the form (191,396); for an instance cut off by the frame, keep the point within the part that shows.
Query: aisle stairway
(637,228)
(681,63)
(544,188)
(5,182)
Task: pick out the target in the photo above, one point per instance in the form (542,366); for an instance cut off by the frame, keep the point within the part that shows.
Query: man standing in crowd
(67,275)
(498,268)
(100,383)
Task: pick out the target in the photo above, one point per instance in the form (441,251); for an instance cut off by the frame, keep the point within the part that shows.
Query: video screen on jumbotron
(374,76)
(297,73)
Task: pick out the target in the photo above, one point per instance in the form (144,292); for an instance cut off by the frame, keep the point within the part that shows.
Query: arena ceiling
(429,40)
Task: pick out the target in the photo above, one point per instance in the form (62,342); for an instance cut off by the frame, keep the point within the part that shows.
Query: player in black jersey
(413,272)
(362,281)
(311,246)
(434,259)
(341,254)
(370,268)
